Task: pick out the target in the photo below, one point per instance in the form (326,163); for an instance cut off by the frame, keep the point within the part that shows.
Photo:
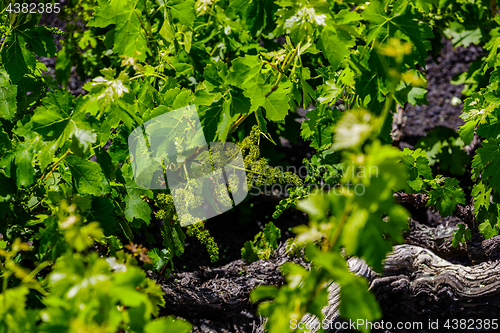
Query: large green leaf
(486,163)
(183,11)
(87,176)
(136,208)
(8,92)
(103,212)
(59,121)
(482,196)
(168,325)
(108,89)
(18,60)
(255,15)
(400,23)
(490,127)
(319,127)
(129,38)
(210,118)
(335,45)
(245,72)
(417,165)
(40,40)
(276,104)
(445,196)
(25,170)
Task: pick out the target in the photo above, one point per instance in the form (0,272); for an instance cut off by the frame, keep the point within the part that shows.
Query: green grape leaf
(308,93)
(486,163)
(330,92)
(8,93)
(160,258)
(173,238)
(446,196)
(416,184)
(372,85)
(25,170)
(276,104)
(417,165)
(106,164)
(460,235)
(263,292)
(63,66)
(107,89)
(50,119)
(366,234)
(249,252)
(240,104)
(460,36)
(353,129)
(136,208)
(481,196)
(40,40)
(129,38)
(168,325)
(476,111)
(492,46)
(254,15)
(490,126)
(225,121)
(82,238)
(417,96)
(261,121)
(210,118)
(400,23)
(5,143)
(245,72)
(102,211)
(203,97)
(476,108)
(487,230)
(271,234)
(7,189)
(17,59)
(329,42)
(319,127)
(86,174)
(58,120)
(184,12)
(466,131)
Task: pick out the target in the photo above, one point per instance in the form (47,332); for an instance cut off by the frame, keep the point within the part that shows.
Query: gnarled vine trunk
(417,284)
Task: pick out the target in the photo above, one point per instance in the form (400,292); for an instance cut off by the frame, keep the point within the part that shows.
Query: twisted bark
(417,284)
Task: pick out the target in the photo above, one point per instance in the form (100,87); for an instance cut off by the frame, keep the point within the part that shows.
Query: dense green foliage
(67,184)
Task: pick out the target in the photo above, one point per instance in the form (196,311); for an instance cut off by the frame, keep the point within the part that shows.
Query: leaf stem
(163,77)
(340,226)
(66,154)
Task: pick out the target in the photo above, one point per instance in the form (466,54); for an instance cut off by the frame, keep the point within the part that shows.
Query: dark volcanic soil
(419,120)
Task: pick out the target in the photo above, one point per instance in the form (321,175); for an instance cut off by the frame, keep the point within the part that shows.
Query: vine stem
(341,224)
(3,43)
(66,154)
(163,77)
